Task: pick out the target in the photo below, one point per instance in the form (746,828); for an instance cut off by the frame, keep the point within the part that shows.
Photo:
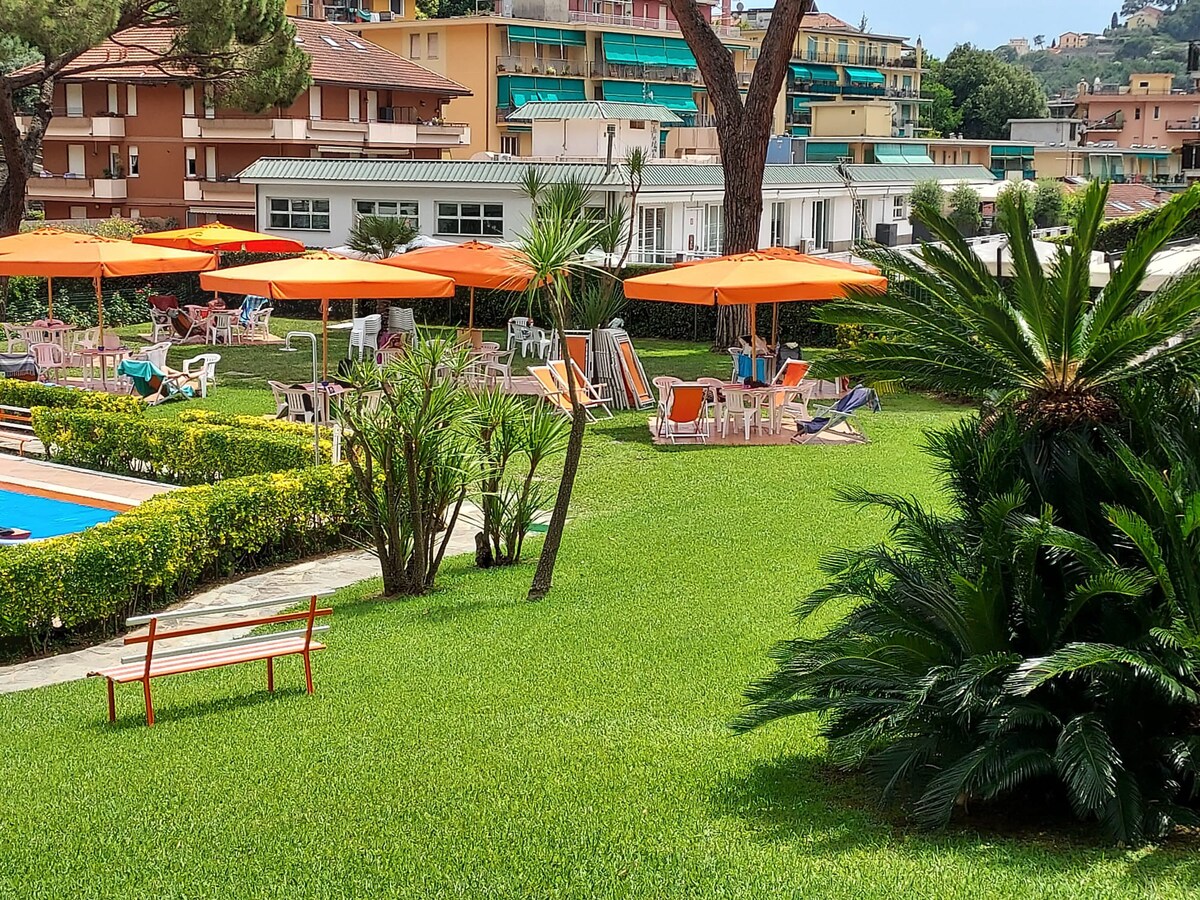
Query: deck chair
(550,390)
(790,403)
(588,394)
(153,384)
(840,416)
(685,407)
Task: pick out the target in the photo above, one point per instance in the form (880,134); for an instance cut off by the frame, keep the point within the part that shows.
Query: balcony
(870,59)
(575,15)
(633,72)
(67,127)
(864,90)
(399,134)
(233,193)
(518,65)
(1192,124)
(247,128)
(72,187)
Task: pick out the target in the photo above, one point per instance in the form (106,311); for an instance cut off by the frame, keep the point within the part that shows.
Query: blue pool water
(48,518)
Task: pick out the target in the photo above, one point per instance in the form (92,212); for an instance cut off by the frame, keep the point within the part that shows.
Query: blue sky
(944,23)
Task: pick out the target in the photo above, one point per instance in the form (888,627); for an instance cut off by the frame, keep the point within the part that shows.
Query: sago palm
(380,237)
(1043,340)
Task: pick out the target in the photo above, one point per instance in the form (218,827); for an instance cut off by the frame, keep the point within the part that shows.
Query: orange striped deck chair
(577,349)
(636,388)
(555,397)
(587,394)
(685,408)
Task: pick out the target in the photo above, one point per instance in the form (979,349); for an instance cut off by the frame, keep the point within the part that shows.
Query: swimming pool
(47,517)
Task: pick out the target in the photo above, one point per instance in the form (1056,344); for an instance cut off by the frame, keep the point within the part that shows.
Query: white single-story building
(679,208)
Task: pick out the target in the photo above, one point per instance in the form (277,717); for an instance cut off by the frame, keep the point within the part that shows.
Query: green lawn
(470,744)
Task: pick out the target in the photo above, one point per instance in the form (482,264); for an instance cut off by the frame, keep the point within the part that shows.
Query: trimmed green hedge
(155,553)
(30,394)
(165,450)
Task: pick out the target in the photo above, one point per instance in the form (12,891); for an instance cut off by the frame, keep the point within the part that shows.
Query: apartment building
(134,140)
(816,207)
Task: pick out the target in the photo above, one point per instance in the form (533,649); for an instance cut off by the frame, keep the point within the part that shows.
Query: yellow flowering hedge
(30,394)
(147,557)
(176,451)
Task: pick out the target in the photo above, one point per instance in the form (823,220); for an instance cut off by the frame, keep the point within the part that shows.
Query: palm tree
(1042,343)
(380,237)
(559,235)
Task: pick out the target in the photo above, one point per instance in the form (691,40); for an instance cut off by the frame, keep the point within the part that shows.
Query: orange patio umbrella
(318,275)
(53,253)
(217,236)
(748,279)
(475,264)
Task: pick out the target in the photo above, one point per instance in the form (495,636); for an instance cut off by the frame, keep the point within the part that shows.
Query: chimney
(727,11)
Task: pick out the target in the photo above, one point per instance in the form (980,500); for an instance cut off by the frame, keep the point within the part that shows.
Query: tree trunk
(20,151)
(743,129)
(544,576)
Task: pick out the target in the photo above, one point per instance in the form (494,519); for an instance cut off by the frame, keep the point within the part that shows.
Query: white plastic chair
(220,326)
(364,332)
(520,334)
(543,343)
(161,328)
(295,403)
(258,325)
(716,405)
(743,406)
(14,334)
(157,355)
(497,363)
(48,358)
(663,384)
(202,369)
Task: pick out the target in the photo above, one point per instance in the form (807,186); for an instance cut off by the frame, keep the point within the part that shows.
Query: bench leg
(149,703)
(308,672)
(112,702)
(271,674)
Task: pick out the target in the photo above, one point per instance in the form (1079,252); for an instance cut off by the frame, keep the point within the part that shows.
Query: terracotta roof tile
(1129,199)
(823,20)
(337,58)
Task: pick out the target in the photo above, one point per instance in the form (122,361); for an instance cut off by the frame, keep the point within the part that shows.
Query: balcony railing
(576,15)
(220,190)
(563,68)
(632,72)
(395,126)
(69,126)
(1184,125)
(851,59)
(73,187)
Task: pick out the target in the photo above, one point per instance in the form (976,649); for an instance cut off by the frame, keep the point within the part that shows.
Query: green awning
(826,152)
(903,154)
(517,90)
(675,97)
(800,73)
(799,103)
(522,34)
(856,75)
(1153,154)
(647,50)
(1000,150)
(823,74)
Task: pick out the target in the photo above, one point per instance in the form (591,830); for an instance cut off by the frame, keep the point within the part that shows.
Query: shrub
(179,452)
(928,193)
(1049,203)
(31,394)
(149,556)
(964,209)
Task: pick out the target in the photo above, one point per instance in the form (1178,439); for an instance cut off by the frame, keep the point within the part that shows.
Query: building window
(899,208)
(299,215)
(820,224)
(1156,112)
(714,227)
(510,144)
(390,209)
(966,157)
(133,161)
(431,46)
(778,223)
(414,46)
(189,162)
(1137,113)
(74,100)
(471,219)
(843,51)
(131,100)
(76,161)
(862,53)
(812,48)
(652,233)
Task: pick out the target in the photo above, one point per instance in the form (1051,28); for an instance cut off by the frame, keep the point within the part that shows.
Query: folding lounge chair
(550,390)
(840,416)
(153,384)
(685,406)
(586,393)
(791,403)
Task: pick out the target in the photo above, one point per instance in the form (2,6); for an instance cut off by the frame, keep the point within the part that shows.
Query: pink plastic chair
(48,358)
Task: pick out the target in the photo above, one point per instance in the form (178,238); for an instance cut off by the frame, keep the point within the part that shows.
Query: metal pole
(316,399)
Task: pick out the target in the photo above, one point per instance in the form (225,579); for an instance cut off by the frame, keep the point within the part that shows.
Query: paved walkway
(327,573)
(116,490)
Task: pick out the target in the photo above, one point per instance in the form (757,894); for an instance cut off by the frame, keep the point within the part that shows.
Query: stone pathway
(326,573)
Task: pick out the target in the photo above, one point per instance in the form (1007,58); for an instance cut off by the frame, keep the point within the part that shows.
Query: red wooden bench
(157,663)
(16,424)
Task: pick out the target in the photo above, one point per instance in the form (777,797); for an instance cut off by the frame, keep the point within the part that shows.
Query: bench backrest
(154,636)
(16,418)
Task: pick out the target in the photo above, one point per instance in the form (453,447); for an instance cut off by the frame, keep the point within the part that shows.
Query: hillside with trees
(1163,49)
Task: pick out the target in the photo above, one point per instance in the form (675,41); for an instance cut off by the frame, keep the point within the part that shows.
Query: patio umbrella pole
(50,297)
(775,326)
(754,342)
(99,308)
(471,312)
(324,340)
